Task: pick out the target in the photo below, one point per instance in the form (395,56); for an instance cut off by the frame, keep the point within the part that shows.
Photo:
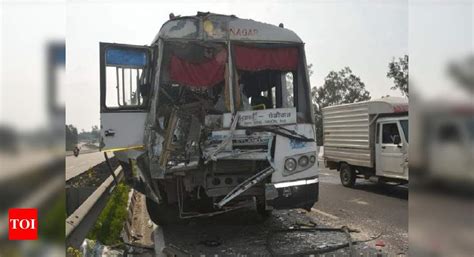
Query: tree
(95,133)
(90,136)
(71,137)
(398,71)
(339,88)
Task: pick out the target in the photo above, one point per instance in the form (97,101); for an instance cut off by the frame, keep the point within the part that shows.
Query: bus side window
(124,76)
(123,87)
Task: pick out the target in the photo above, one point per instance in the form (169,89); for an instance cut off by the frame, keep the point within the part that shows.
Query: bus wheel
(162,214)
(348,175)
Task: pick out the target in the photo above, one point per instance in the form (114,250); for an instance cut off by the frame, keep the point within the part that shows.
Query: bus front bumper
(293,194)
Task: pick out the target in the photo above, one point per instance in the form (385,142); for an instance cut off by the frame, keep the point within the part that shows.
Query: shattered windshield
(263,77)
(271,77)
(199,87)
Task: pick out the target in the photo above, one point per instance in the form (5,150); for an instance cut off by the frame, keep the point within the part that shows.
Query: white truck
(444,145)
(213,116)
(367,140)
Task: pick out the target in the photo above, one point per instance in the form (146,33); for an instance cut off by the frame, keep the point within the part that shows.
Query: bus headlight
(303,161)
(298,163)
(290,164)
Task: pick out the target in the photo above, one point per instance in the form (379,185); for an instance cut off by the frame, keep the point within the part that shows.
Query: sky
(361,34)
(26,30)
(364,36)
(440,32)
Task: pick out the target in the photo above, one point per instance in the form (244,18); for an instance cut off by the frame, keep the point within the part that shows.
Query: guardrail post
(110,168)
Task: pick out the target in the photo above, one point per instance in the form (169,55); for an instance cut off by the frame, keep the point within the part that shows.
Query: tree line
(344,86)
(73,137)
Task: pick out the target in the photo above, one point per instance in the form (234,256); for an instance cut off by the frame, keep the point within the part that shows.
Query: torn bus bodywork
(214,115)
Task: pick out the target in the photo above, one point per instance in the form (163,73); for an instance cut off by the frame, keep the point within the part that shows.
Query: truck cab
(444,147)
(391,148)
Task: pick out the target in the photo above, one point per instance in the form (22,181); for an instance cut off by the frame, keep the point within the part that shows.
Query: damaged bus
(213,116)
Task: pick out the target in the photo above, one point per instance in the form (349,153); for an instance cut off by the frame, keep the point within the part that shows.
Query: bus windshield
(263,76)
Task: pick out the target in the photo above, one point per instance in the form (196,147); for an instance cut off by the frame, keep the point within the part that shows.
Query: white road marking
(325,214)
(358,201)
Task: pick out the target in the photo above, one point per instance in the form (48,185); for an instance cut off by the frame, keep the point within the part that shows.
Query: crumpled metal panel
(180,28)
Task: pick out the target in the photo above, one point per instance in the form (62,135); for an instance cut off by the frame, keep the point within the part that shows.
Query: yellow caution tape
(141,147)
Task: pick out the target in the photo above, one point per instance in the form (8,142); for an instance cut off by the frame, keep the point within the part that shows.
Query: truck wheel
(162,214)
(348,175)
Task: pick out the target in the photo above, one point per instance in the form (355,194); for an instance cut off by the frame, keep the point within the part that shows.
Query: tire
(162,214)
(347,175)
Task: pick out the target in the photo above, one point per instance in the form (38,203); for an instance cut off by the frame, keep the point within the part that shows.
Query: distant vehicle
(444,149)
(215,115)
(367,140)
(76,151)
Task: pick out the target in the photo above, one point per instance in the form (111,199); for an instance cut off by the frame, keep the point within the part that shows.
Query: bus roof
(217,27)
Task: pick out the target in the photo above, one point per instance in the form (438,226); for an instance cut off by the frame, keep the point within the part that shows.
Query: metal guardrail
(75,166)
(34,199)
(46,166)
(83,218)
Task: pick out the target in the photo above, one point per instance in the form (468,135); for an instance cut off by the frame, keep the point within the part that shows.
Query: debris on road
(284,233)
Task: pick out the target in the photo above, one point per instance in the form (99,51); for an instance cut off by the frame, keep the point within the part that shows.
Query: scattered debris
(210,243)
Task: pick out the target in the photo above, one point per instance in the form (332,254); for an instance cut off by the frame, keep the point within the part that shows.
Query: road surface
(82,163)
(377,211)
(27,161)
(372,208)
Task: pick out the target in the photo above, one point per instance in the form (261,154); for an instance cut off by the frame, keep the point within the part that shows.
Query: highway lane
(27,161)
(82,163)
(374,209)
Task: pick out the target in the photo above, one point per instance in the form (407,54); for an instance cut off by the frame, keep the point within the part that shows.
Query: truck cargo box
(348,129)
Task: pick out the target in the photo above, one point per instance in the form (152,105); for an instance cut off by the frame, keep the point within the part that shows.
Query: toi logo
(22,224)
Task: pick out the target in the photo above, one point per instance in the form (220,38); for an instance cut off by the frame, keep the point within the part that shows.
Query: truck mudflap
(293,194)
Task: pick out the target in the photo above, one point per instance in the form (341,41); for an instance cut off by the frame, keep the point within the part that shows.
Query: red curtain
(255,59)
(205,74)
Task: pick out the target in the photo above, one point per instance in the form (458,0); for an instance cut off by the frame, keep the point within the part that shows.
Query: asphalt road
(27,161)
(82,163)
(379,212)
(373,209)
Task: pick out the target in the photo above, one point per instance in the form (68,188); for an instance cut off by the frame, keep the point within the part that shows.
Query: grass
(110,222)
